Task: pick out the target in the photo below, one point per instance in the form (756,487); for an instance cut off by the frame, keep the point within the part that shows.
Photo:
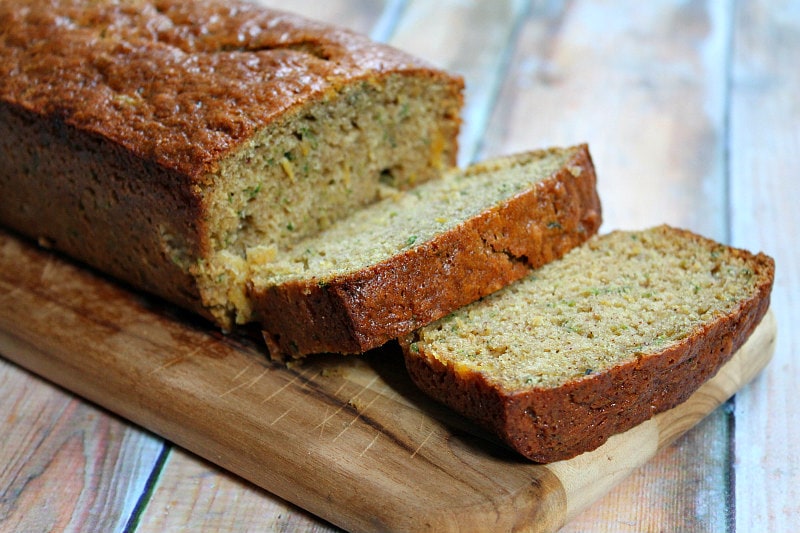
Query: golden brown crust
(99,203)
(548,425)
(363,310)
(179,83)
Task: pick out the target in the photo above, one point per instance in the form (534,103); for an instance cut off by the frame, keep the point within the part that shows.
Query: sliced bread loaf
(155,140)
(621,328)
(417,255)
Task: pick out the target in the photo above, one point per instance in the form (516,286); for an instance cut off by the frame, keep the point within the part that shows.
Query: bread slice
(158,141)
(416,256)
(621,328)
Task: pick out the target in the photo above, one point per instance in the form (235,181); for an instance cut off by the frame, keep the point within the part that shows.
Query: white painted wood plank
(204,498)
(643,83)
(363,16)
(66,465)
(764,143)
(471,38)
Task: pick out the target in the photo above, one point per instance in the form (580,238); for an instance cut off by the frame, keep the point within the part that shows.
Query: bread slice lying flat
(417,255)
(621,328)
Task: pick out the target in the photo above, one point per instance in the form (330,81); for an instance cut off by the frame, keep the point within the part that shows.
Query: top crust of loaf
(581,371)
(179,83)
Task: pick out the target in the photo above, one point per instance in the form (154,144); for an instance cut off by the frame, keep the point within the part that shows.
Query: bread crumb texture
(621,296)
(309,171)
(406,219)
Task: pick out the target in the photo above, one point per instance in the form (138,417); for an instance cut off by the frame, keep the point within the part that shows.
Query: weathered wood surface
(764,141)
(691,112)
(65,464)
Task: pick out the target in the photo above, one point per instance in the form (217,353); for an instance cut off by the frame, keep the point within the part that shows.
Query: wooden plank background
(692,113)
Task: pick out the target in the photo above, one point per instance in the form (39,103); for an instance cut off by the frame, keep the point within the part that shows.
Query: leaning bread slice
(621,328)
(416,256)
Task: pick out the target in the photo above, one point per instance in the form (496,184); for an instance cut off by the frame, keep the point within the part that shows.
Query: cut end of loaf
(621,328)
(326,160)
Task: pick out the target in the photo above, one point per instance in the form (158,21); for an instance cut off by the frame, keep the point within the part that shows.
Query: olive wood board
(350,439)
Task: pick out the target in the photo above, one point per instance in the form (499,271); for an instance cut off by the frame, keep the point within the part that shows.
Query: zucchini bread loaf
(417,255)
(156,140)
(621,328)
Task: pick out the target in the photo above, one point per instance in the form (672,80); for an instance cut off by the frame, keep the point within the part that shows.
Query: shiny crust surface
(363,310)
(547,425)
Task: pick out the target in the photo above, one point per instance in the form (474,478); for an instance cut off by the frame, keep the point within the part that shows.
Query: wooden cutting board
(349,439)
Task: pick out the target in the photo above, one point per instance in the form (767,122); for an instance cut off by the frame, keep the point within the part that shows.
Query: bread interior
(322,163)
(620,297)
